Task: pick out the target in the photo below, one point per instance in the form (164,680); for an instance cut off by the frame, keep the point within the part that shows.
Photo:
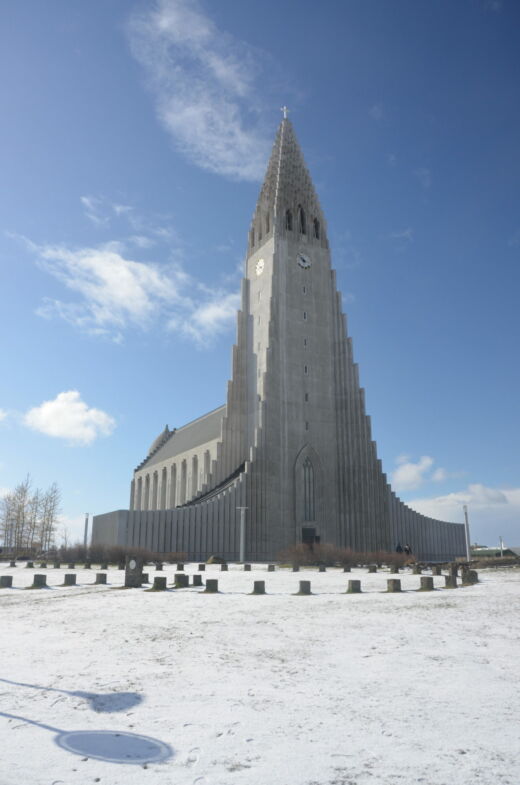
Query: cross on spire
(285,111)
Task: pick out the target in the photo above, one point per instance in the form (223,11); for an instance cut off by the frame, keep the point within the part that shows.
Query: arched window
(301,221)
(173,486)
(164,480)
(309,507)
(288,220)
(316,229)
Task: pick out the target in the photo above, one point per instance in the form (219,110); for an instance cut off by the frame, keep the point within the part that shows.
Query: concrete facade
(293,442)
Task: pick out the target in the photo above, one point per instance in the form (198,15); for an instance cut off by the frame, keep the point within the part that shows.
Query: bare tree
(28,518)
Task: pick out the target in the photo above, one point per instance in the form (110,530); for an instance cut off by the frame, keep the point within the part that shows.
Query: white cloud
(409,475)
(68,417)
(439,475)
(114,291)
(206,87)
(492,511)
(209,318)
(3,414)
(424,176)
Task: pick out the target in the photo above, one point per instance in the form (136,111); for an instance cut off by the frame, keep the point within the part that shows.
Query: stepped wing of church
(293,442)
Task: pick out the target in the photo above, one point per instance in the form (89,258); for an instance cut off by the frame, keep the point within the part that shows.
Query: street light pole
(466,531)
(85,537)
(242,556)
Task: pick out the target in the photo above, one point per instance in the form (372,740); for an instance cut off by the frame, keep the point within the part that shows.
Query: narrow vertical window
(305,342)
(288,220)
(308,490)
(305,369)
(301,221)
(316,229)
(252,237)
(267,224)
(306,426)
(305,290)
(305,315)
(306,396)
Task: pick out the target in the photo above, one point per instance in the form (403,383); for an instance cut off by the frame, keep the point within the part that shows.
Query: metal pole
(466,531)
(85,537)
(242,556)
(501,546)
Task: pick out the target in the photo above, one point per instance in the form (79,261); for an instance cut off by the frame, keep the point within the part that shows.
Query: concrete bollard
(393,585)
(394,569)
(450,581)
(416,569)
(247,568)
(223,568)
(104,566)
(145,578)
(181,580)
(43,565)
(87,565)
(57,565)
(305,589)
(354,587)
(197,580)
(346,568)
(12,564)
(39,581)
(101,577)
(436,569)
(69,579)
(29,565)
(211,586)
(202,567)
(6,581)
(180,567)
(71,566)
(158,566)
(296,568)
(322,568)
(270,568)
(258,587)
(469,577)
(159,583)
(426,583)
(372,568)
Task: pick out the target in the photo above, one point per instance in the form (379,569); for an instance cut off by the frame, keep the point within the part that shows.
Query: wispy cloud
(68,417)
(95,210)
(111,292)
(206,86)
(3,414)
(403,235)
(424,177)
(410,475)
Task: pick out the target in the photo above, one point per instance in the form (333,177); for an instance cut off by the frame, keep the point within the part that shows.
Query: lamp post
(466,532)
(85,536)
(242,556)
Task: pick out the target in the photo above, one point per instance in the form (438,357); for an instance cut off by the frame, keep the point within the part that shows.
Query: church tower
(292,444)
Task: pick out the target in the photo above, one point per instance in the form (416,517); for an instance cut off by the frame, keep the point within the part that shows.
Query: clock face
(260,267)
(132,564)
(303,260)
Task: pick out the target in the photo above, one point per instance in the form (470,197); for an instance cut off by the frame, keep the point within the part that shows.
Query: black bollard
(101,577)
(159,583)
(393,585)
(426,583)
(69,579)
(181,580)
(270,568)
(354,587)
(39,581)
(211,586)
(6,581)
(258,587)
(197,580)
(305,589)
(247,568)
(202,567)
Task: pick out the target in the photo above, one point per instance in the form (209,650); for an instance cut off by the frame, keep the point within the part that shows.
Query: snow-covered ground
(333,689)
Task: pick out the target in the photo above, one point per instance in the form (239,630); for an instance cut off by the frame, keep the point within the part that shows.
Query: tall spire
(287,184)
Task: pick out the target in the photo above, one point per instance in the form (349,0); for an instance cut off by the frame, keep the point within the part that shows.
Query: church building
(292,444)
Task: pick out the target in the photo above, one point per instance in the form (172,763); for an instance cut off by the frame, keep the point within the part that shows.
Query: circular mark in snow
(115,747)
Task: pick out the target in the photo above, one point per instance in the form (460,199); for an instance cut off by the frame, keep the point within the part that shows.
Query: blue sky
(132,144)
